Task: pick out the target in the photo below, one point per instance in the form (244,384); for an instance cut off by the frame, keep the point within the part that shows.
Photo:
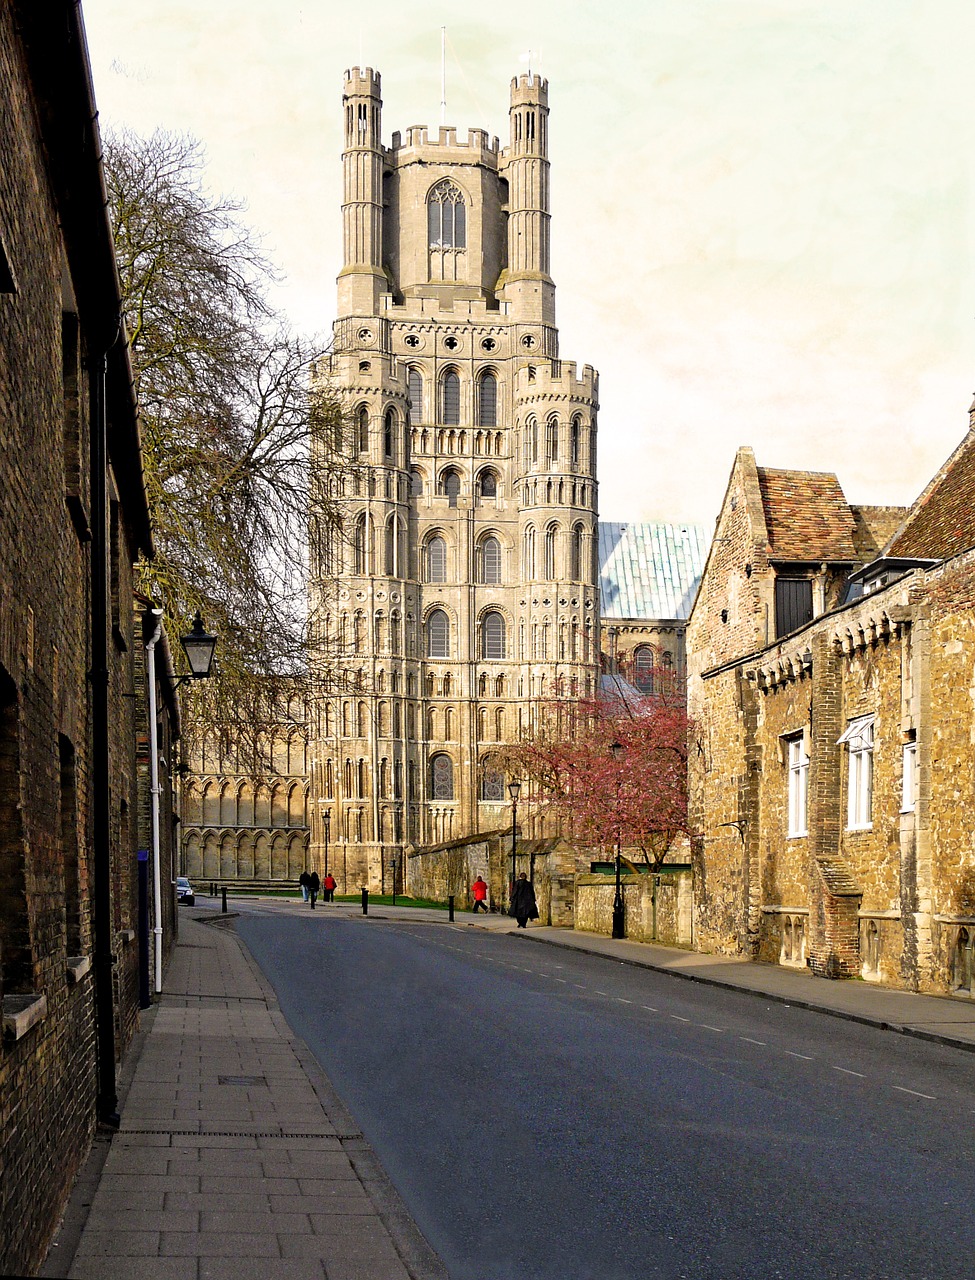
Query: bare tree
(229,410)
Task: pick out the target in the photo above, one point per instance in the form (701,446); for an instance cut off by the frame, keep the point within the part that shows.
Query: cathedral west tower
(463,589)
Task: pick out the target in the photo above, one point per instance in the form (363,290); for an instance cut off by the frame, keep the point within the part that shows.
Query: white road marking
(749,1040)
(705,1026)
(677,1018)
(622,1001)
(558,979)
(847,1072)
(914,1093)
(804,1056)
(579,985)
(649,1008)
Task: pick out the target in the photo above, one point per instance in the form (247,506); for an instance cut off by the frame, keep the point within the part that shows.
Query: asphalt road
(553,1116)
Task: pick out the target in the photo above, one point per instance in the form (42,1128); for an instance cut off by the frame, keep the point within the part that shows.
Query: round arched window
(441,777)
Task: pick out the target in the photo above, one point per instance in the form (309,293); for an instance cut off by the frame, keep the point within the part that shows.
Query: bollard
(365,901)
(223,898)
(450,908)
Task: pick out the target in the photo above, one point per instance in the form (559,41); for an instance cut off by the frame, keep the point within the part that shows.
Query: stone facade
(245,791)
(831,774)
(72,520)
(463,590)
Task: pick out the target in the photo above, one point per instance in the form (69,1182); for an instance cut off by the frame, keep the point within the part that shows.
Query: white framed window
(798,785)
(858,740)
(909,775)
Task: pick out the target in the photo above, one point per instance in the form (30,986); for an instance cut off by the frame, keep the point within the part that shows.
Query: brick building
(72,520)
(831,657)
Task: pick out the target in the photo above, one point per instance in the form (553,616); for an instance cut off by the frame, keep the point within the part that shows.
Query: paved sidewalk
(235,1158)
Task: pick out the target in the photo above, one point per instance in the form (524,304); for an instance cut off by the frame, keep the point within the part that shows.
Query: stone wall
(657,907)
(438,871)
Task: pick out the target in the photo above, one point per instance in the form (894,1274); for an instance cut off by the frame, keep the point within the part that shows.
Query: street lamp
(394,881)
(198,647)
(327,819)
(514,790)
(617,751)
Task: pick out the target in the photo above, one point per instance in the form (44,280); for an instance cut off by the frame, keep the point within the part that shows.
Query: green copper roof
(651,569)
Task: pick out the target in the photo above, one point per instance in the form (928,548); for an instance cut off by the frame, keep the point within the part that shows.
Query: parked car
(184,891)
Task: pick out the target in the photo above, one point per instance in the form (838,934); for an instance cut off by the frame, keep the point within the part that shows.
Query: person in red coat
(480,890)
(328,887)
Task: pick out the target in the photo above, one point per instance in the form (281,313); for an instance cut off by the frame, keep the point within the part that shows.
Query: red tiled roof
(807,515)
(942,520)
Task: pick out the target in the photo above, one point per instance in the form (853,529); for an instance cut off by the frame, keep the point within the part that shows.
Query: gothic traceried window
(450,486)
(441,778)
(550,535)
(492,782)
(447,217)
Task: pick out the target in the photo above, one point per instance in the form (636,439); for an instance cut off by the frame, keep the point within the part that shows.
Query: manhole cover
(248,1080)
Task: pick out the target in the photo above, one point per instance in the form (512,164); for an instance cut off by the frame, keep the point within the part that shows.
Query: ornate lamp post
(514,790)
(198,647)
(617,751)
(327,819)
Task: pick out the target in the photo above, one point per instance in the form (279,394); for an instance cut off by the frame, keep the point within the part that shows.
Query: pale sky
(762,209)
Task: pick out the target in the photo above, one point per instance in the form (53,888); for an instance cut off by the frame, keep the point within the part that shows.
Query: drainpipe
(157,929)
(100,765)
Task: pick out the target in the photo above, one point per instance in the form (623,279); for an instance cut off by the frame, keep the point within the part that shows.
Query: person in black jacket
(523,906)
(314,885)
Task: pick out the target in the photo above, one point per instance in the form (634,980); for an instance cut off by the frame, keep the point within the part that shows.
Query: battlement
(363,80)
(436,307)
(478,142)
(530,90)
(548,378)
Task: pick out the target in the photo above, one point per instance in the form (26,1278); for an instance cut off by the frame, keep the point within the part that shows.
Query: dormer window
(447,217)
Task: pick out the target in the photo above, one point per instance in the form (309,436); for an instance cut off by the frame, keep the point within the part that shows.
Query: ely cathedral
(462,590)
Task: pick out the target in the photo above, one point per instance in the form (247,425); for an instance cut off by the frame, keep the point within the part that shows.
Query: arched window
(441,777)
(362,432)
(643,665)
(575,440)
(392,548)
(389,430)
(552,440)
(487,484)
(450,398)
(438,635)
(359,544)
(492,635)
(450,485)
(414,386)
(436,559)
(490,559)
(575,569)
(530,552)
(492,782)
(447,217)
(487,400)
(550,534)
(416,483)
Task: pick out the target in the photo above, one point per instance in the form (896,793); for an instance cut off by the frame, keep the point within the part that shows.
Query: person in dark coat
(523,906)
(314,885)
(303,880)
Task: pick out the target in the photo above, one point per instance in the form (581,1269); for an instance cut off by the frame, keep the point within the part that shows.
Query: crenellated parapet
(544,384)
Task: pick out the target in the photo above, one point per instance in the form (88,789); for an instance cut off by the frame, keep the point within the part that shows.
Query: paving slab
(235,1157)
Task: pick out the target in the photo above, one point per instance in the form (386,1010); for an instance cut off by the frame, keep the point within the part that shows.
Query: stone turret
(362,280)
(528,285)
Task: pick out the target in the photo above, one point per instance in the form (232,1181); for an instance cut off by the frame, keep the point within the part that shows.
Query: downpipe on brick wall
(154,789)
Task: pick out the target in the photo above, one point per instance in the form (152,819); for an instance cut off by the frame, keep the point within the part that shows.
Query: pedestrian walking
(523,905)
(479,891)
(303,882)
(314,886)
(328,888)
